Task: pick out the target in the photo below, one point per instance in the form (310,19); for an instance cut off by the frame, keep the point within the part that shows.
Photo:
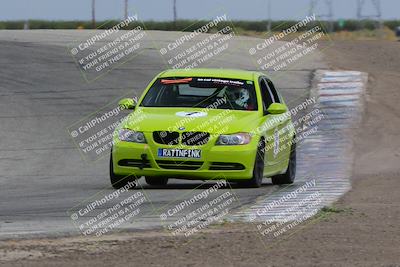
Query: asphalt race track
(42,92)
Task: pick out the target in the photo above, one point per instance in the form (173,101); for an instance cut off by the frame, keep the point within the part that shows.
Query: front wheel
(258,171)
(290,174)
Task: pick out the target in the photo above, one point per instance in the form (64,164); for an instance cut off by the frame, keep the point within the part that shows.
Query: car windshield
(217,93)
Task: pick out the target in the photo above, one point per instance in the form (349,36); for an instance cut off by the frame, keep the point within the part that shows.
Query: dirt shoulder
(364,233)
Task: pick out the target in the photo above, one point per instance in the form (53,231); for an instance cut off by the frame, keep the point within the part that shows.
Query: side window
(266,95)
(275,94)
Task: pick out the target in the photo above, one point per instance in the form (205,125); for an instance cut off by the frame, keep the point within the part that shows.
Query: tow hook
(144,161)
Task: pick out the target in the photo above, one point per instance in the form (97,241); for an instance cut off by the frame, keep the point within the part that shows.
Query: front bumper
(216,162)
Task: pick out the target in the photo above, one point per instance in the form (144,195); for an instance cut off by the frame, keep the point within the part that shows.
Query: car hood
(192,119)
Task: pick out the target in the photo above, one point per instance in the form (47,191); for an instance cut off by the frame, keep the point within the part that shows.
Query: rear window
(201,93)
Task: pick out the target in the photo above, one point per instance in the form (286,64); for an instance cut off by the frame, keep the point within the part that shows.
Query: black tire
(158,181)
(258,170)
(290,174)
(118,181)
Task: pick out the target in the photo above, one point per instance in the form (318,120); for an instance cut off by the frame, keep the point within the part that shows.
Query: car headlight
(131,136)
(234,139)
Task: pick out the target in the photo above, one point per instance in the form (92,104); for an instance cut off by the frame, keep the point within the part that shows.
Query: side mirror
(277,108)
(127,103)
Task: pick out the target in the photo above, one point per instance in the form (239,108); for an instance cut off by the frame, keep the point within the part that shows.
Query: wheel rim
(259,166)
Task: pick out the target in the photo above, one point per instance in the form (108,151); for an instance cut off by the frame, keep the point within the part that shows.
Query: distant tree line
(190,25)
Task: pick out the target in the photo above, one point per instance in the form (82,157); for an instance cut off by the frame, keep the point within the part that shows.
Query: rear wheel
(290,174)
(258,171)
(156,180)
(118,181)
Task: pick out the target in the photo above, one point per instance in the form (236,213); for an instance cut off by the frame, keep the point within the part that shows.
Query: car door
(270,127)
(281,132)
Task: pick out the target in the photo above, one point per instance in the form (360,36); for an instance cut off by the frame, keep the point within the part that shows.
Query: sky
(187,9)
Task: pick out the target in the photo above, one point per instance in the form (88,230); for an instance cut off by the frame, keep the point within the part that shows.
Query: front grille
(226,166)
(166,138)
(195,138)
(138,163)
(179,164)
